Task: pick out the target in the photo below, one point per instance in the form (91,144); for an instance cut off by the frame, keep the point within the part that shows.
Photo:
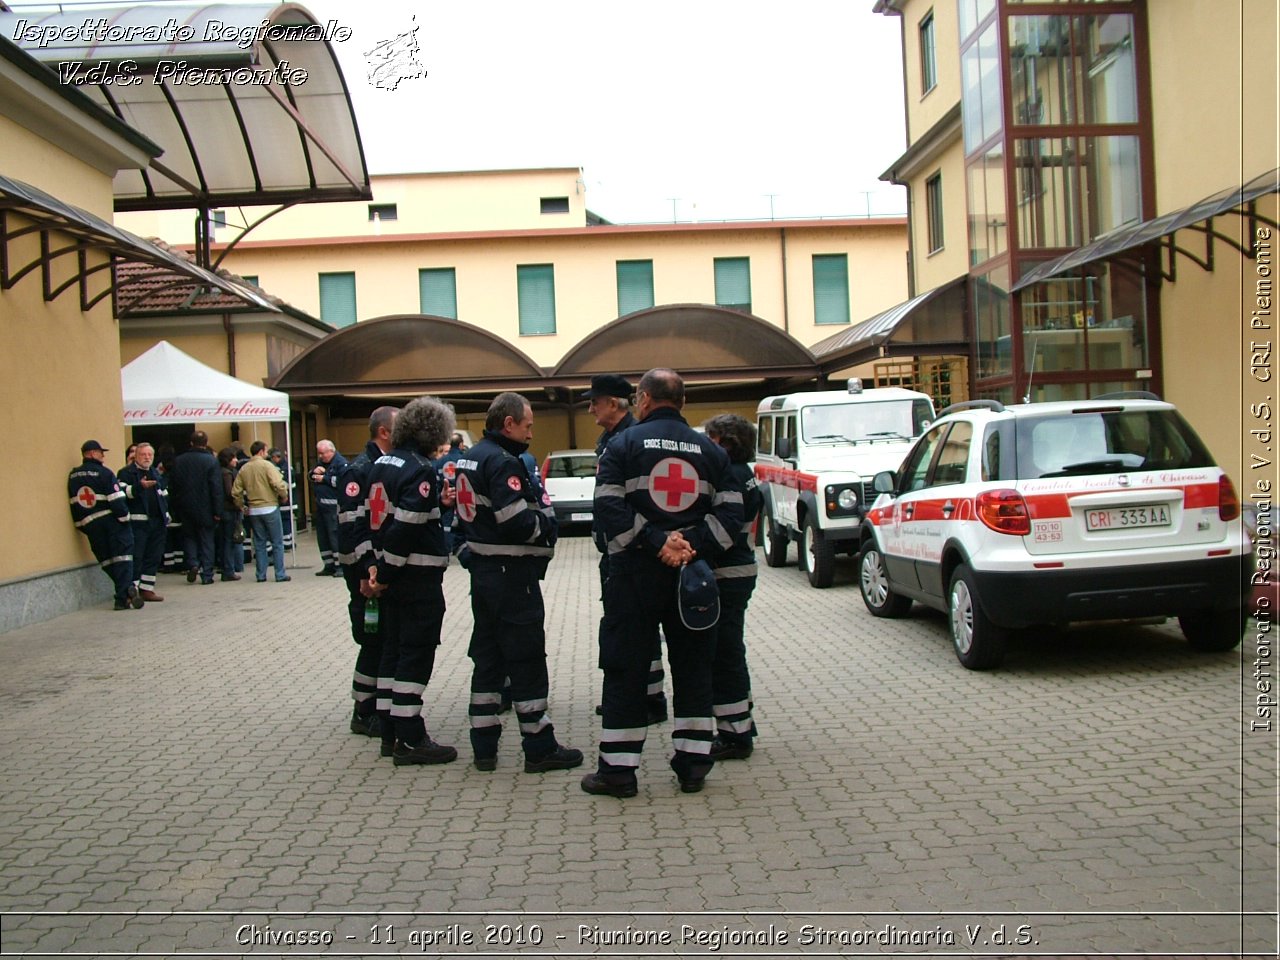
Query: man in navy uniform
(355,553)
(99,511)
(405,496)
(510,528)
(447,466)
(147,496)
(324,479)
(663,497)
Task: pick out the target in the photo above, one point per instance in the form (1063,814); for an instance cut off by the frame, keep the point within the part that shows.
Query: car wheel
(1211,631)
(873,579)
(979,643)
(773,538)
(817,555)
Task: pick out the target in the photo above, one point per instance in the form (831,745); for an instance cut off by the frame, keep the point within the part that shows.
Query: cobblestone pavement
(181,779)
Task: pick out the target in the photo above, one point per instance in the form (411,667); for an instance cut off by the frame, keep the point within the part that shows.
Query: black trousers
(148,550)
(364,680)
(327,534)
(731,678)
(508,640)
(112,544)
(411,613)
(657,676)
(637,599)
(197,547)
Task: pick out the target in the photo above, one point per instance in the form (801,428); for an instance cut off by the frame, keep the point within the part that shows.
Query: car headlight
(841,499)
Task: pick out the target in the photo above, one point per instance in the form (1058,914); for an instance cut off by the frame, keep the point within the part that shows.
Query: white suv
(1047,513)
(816,455)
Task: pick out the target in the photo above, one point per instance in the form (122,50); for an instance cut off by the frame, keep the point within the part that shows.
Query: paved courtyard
(180,781)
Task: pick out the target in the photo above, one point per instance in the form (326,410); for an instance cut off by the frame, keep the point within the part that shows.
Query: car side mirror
(886,481)
(784,448)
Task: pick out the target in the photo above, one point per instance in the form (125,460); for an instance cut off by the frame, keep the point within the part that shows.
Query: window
(933,200)
(635,286)
(438,292)
(217,218)
(251,278)
(915,470)
(338,298)
(831,288)
(764,435)
(733,283)
(928,63)
(555,204)
(537,299)
(953,458)
(382,211)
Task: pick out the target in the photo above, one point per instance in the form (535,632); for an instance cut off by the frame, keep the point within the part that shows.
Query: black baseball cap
(92,445)
(609,385)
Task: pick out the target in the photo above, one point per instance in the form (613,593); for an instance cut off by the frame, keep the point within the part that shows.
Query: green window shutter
(537,299)
(831,288)
(438,292)
(338,298)
(635,286)
(733,282)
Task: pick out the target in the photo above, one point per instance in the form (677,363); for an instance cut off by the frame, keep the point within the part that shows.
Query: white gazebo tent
(165,385)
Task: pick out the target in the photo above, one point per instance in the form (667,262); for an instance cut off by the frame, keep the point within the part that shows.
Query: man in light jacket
(260,485)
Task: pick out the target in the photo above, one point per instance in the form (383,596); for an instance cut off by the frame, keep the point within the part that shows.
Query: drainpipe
(230,334)
(786,314)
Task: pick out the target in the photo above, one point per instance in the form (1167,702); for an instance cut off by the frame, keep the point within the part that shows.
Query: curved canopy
(210,85)
(702,341)
(408,354)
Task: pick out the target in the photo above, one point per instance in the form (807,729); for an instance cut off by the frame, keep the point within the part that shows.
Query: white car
(569,477)
(1048,513)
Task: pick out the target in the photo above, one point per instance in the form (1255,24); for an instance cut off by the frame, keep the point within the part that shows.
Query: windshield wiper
(887,433)
(1088,466)
(833,436)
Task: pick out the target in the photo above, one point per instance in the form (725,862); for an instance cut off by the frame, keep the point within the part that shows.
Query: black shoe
(285,579)
(486,764)
(657,711)
(191,576)
(326,572)
(561,758)
(123,605)
(135,598)
(731,749)
(388,746)
(428,751)
(601,786)
(599,709)
(367,726)
(693,786)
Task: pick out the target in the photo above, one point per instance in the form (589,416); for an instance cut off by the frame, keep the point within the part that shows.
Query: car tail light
(1228,502)
(1004,511)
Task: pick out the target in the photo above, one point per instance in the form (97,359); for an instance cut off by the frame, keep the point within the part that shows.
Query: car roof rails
(1128,395)
(993,405)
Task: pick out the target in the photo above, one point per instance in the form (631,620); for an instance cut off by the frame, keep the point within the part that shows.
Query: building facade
(1102,174)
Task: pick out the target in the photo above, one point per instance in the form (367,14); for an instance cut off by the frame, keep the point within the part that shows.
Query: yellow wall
(68,178)
(425,202)
(934,269)
(585,274)
(924,109)
(59,378)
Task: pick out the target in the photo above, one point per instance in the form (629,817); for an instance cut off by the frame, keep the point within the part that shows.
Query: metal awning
(929,323)
(1138,234)
(703,341)
(45,215)
(236,126)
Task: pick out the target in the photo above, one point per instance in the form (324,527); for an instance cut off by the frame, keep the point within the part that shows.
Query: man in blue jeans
(260,485)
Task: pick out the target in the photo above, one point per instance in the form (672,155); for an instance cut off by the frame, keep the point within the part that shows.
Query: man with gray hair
(324,480)
(410,556)
(510,528)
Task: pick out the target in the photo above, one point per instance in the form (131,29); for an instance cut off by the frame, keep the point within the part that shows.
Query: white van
(816,456)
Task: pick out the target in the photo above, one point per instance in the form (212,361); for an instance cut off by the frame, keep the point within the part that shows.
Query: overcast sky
(716,103)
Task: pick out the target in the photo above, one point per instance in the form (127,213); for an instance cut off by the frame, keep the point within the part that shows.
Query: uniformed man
(609,403)
(147,497)
(446,466)
(510,529)
(324,482)
(404,500)
(736,572)
(663,498)
(99,511)
(355,554)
